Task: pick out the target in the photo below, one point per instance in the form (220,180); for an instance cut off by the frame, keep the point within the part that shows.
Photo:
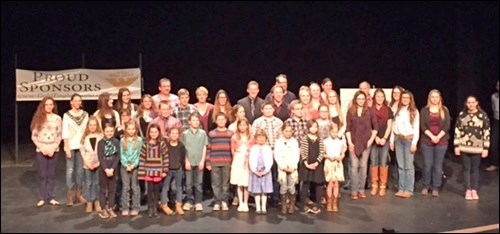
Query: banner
(89,83)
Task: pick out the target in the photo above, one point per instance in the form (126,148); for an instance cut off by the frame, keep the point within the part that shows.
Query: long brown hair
(238,133)
(148,137)
(401,89)
(141,108)
(40,116)
(87,131)
(354,106)
(228,110)
(412,108)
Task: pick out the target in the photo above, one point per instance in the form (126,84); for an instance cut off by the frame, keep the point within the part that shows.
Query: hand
(163,175)
(209,167)
(435,139)
(457,151)
(188,167)
(351,148)
(392,146)
(200,167)
(382,142)
(484,154)
(369,143)
(413,149)
(68,154)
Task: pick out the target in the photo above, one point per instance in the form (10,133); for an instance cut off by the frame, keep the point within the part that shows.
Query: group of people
(284,147)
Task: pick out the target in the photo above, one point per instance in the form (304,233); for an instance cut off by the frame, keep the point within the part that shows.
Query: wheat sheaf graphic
(121,82)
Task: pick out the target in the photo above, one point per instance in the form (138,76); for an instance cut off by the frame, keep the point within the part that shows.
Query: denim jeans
(359,167)
(471,170)
(91,185)
(172,175)
(74,169)
(433,165)
(220,182)
(406,169)
(47,172)
(379,154)
(194,178)
(130,181)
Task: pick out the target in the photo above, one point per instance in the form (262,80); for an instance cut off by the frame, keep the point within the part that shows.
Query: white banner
(89,83)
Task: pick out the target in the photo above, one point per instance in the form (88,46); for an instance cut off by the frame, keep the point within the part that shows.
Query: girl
(105,113)
(334,170)
(124,101)
(336,113)
(108,152)
(472,141)
(311,173)
(324,121)
(73,126)
(221,105)
(90,138)
(145,113)
(239,113)
(261,161)
(46,128)
(130,148)
(327,87)
(241,142)
(287,154)
(153,166)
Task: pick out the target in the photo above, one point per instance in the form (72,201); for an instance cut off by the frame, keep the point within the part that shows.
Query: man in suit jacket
(252,102)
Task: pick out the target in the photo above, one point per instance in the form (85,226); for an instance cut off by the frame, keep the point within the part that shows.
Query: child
(219,161)
(334,170)
(261,161)
(153,166)
(108,152)
(130,148)
(195,140)
(286,154)
(177,156)
(312,152)
(90,138)
(240,147)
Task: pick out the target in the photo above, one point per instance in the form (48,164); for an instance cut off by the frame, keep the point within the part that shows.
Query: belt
(406,137)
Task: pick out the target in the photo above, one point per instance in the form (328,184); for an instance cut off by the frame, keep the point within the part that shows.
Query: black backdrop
(451,46)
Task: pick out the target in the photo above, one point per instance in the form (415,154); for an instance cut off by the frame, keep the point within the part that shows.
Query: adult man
(252,102)
(282,80)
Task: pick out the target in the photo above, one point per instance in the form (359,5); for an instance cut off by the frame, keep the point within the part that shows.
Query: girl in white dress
(241,142)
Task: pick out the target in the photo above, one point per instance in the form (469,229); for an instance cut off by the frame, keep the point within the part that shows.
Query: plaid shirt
(182,114)
(299,128)
(272,127)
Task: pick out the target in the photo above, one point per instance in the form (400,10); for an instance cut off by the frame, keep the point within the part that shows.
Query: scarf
(382,115)
(109,148)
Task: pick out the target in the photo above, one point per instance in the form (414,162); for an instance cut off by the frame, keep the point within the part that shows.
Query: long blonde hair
(126,137)
(440,104)
(98,130)
(336,105)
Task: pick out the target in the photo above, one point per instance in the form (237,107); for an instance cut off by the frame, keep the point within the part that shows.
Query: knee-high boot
(374,175)
(384,172)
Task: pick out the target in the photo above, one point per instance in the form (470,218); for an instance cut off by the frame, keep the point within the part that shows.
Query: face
(240,113)
(126,97)
(76,102)
(334,132)
(202,97)
(313,129)
(148,103)
(278,94)
(315,91)
(396,94)
(379,98)
(283,82)
(323,112)
(131,130)
(194,122)
(174,134)
(360,100)
(165,110)
(49,106)
(261,140)
(268,111)
(184,100)
(327,86)
(305,97)
(287,132)
(332,98)
(165,87)
(110,102)
(365,88)
(221,121)
(297,110)
(125,118)
(92,126)
(154,133)
(405,99)
(222,99)
(435,98)
(243,126)
(472,104)
(253,91)
(109,132)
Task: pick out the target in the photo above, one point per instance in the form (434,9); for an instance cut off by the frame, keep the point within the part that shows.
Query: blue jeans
(91,185)
(433,165)
(130,180)
(471,170)
(194,178)
(378,155)
(220,183)
(172,175)
(74,169)
(406,169)
(359,167)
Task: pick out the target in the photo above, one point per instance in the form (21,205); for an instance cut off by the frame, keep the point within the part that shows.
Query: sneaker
(435,193)
(235,201)
(104,214)
(112,213)
(399,193)
(54,202)
(198,207)
(474,195)
(124,212)
(224,206)
(217,207)
(240,208)
(491,168)
(40,203)
(362,195)
(245,208)
(425,192)
(468,195)
(187,206)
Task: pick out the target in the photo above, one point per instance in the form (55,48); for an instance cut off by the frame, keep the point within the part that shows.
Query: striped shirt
(153,160)
(219,148)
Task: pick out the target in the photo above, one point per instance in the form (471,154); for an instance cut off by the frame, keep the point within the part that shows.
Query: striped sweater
(219,148)
(472,132)
(153,160)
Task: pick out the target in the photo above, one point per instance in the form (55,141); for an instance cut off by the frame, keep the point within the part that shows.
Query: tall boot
(71,195)
(374,176)
(329,204)
(384,173)
(79,194)
(335,205)
(291,206)
(284,204)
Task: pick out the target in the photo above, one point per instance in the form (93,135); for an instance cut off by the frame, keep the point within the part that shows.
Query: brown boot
(335,205)
(71,195)
(284,204)
(329,204)
(291,205)
(88,209)
(384,172)
(374,176)
(166,209)
(178,208)
(97,206)
(79,195)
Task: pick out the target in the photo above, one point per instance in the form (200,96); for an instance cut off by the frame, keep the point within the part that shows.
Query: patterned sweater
(49,136)
(153,160)
(472,132)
